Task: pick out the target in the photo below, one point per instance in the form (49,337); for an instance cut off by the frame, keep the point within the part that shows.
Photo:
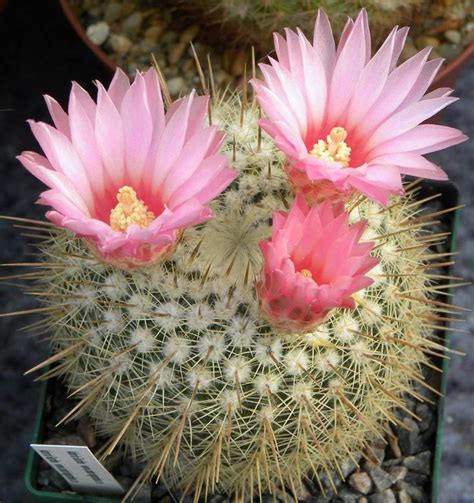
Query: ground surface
(40,54)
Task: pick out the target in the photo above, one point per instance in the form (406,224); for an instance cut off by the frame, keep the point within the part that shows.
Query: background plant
(252,22)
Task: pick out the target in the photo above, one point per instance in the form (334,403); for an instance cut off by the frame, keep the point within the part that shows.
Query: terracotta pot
(76,24)
(449,73)
(445,78)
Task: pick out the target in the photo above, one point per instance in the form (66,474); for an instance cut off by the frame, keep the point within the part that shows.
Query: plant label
(80,468)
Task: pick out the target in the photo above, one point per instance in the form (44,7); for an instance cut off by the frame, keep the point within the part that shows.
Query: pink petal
(422,139)
(407,119)
(426,77)
(63,158)
(155,101)
(59,116)
(110,137)
(379,183)
(412,164)
(84,142)
(172,141)
(400,39)
(347,70)
(118,87)
(398,85)
(137,129)
(204,175)
(371,83)
(40,167)
(188,162)
(87,103)
(323,42)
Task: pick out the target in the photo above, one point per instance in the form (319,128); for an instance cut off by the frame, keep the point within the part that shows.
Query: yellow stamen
(306,273)
(335,148)
(129,210)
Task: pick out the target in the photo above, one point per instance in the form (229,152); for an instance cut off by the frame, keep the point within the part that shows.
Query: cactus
(174,364)
(252,22)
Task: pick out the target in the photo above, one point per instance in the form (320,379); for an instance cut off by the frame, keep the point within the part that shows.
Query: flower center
(306,273)
(129,210)
(334,149)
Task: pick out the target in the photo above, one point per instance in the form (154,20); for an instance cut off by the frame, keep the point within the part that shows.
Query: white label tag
(80,468)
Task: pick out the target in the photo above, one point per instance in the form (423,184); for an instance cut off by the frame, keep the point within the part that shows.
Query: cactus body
(174,363)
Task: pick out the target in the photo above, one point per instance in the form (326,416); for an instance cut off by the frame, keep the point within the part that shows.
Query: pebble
(381,479)
(449,51)
(449,24)
(158,492)
(386,496)
(404,497)
(377,453)
(98,32)
(169,37)
(361,482)
(302,492)
(128,8)
(453,36)
(284,496)
(436,11)
(425,41)
(419,463)
(51,478)
(469,37)
(408,439)
(398,472)
(416,479)
(144,494)
(238,64)
(409,50)
(131,26)
(393,442)
(423,411)
(112,12)
(87,432)
(112,460)
(189,34)
(345,496)
(176,52)
(416,494)
(120,44)
(153,34)
(58,439)
(175,85)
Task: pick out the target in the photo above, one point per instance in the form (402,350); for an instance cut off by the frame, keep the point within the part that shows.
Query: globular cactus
(226,343)
(174,363)
(245,23)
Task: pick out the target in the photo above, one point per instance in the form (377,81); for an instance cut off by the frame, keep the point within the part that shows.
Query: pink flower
(312,264)
(350,122)
(123,173)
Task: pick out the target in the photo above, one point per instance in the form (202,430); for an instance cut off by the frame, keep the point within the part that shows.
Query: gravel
(140,28)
